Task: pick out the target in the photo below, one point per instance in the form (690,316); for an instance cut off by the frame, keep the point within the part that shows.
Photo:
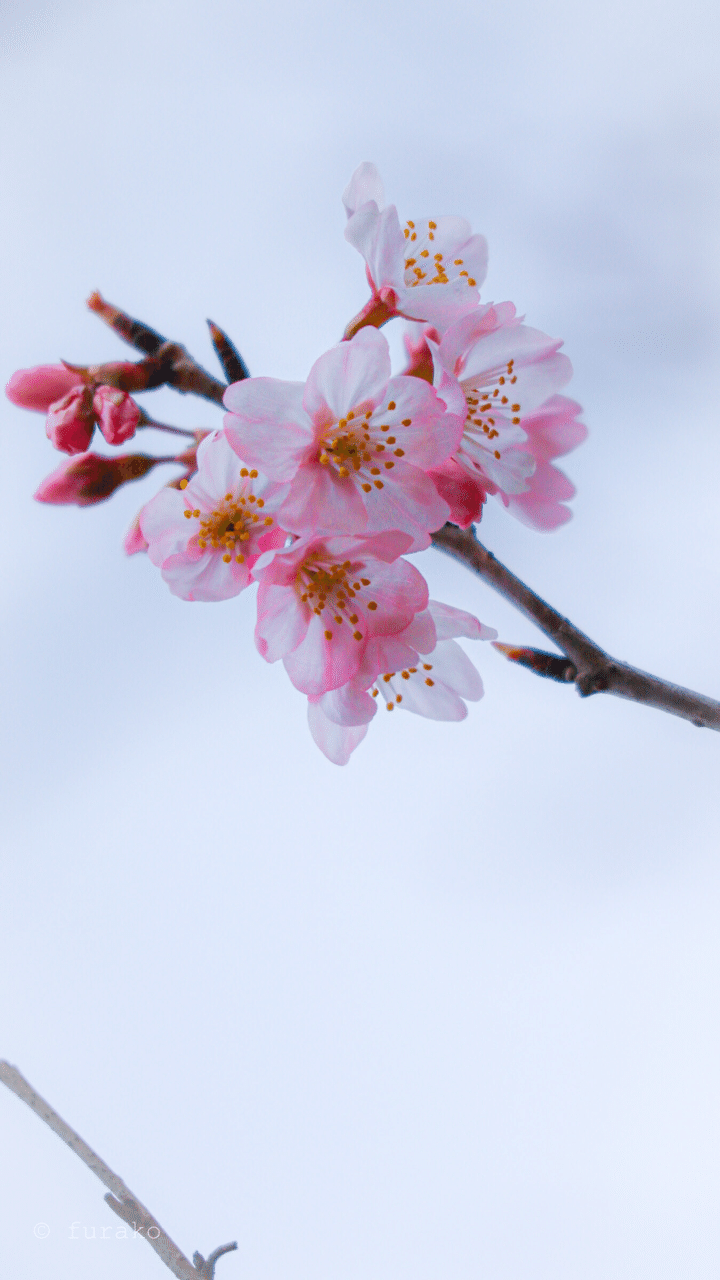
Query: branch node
(206,1266)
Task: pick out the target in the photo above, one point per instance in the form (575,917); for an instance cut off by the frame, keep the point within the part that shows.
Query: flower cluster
(316,491)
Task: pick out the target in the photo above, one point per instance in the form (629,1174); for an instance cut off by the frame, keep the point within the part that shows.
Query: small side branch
(596,671)
(178,367)
(120,1199)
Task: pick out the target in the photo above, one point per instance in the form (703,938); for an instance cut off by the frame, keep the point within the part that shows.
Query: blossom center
(358,447)
(335,591)
(489,405)
(231,523)
(425,264)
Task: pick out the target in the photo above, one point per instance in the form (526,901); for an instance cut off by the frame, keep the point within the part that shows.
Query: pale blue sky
(450,1013)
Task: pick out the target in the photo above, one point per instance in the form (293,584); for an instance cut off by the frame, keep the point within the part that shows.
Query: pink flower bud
(117,414)
(40,387)
(91,478)
(71,421)
(134,540)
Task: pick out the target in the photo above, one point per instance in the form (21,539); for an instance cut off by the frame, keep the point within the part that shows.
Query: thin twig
(181,371)
(120,1199)
(146,421)
(596,670)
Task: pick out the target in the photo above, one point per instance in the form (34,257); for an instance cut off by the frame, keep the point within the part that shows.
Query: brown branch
(595,670)
(179,370)
(120,1199)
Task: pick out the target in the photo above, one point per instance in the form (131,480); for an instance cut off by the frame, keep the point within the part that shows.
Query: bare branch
(120,1199)
(178,367)
(596,670)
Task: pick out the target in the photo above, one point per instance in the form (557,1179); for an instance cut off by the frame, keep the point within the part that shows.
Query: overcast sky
(452,1012)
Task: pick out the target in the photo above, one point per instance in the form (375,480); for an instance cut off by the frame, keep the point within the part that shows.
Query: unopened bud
(117,413)
(71,421)
(42,386)
(550,665)
(92,478)
(134,540)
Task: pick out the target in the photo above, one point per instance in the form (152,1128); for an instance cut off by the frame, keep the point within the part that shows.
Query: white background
(449,1013)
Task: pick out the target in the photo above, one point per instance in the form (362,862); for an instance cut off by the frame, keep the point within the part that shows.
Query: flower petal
(351,375)
(334,740)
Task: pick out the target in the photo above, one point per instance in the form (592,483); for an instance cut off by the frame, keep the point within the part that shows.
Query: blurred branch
(595,671)
(119,1198)
(179,370)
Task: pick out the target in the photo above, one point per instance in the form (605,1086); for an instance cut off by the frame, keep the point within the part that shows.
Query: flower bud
(71,421)
(117,414)
(92,478)
(135,540)
(40,387)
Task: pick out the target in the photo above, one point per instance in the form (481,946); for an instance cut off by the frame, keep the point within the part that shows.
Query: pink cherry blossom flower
(429,269)
(206,536)
(552,430)
(321,599)
(75,404)
(501,373)
(354,443)
(421,670)
(89,478)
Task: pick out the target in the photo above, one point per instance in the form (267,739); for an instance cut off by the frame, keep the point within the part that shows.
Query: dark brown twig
(179,370)
(120,1199)
(234,367)
(596,670)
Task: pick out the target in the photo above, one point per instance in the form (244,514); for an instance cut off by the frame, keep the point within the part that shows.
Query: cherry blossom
(421,669)
(354,443)
(321,600)
(429,269)
(74,404)
(552,430)
(206,535)
(502,374)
